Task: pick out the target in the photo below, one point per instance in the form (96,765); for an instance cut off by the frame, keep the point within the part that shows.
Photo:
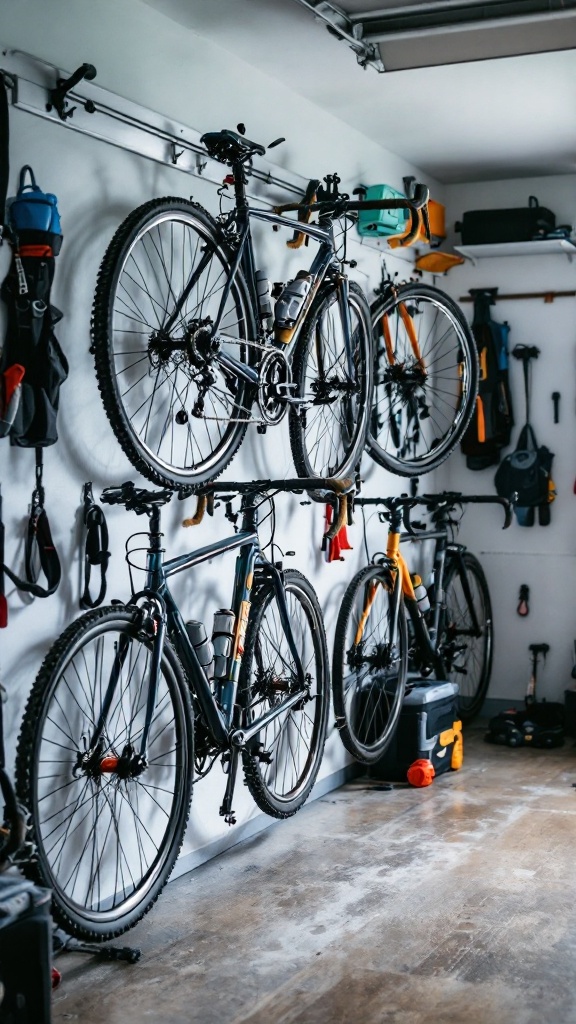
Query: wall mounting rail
(33,84)
(547,296)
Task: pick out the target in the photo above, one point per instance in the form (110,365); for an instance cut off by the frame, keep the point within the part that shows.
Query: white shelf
(540,247)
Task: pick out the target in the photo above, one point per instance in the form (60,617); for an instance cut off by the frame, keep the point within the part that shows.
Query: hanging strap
(39,546)
(4,151)
(96,548)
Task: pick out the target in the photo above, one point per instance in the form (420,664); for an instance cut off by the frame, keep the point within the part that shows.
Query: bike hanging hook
(63,86)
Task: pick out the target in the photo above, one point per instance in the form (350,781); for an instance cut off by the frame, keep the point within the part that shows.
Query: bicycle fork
(245,737)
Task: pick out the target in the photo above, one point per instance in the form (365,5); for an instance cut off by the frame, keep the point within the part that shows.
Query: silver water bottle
(202,645)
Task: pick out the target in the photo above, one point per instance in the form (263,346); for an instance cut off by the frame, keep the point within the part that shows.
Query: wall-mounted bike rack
(75,102)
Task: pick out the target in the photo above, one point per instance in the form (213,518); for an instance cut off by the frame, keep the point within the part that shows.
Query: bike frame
(244,260)
(403,589)
(162,615)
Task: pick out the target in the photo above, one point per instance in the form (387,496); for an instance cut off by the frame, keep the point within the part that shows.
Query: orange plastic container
(421,773)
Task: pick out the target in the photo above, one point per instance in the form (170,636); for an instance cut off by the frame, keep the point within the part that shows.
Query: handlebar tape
(340,520)
(198,516)
(299,237)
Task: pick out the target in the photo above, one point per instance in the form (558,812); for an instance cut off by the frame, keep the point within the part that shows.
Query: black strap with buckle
(39,548)
(96,549)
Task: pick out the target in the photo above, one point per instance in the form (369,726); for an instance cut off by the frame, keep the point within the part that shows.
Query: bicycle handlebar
(449,499)
(340,206)
(340,488)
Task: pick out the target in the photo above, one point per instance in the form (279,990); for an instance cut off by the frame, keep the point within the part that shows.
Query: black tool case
(520,224)
(430,708)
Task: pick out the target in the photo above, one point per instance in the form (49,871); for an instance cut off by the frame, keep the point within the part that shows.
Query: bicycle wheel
(369,665)
(281,774)
(328,438)
(107,831)
(425,380)
(177,413)
(467,654)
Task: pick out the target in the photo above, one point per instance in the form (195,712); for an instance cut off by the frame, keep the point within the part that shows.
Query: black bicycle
(133,703)
(187,348)
(385,628)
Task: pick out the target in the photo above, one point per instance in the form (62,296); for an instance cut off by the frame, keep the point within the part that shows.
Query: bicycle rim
(282,773)
(328,438)
(178,414)
(107,834)
(369,665)
(425,380)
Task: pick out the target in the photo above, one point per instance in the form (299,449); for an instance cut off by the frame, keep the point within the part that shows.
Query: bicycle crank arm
(240,738)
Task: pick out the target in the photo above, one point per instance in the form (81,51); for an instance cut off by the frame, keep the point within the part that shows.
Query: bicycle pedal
(230,819)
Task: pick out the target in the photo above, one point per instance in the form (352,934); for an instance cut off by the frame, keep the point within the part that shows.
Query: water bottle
(223,641)
(421,595)
(202,645)
(263,289)
(289,304)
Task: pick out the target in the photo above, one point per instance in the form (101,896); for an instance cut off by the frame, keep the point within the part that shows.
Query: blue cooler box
(425,730)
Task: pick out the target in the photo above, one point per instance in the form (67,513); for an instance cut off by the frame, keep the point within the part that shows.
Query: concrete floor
(449,904)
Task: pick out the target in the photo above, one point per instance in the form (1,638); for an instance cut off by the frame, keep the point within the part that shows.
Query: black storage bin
(521,224)
(429,709)
(25,951)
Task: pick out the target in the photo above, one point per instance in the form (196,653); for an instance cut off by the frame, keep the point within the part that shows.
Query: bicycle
(186,350)
(123,715)
(376,642)
(425,378)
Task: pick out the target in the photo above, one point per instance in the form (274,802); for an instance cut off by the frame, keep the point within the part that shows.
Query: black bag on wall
(490,428)
(520,224)
(524,476)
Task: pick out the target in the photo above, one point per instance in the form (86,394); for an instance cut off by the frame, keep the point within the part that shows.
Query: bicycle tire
(282,786)
(119,887)
(157,244)
(368,680)
(345,419)
(418,417)
(475,653)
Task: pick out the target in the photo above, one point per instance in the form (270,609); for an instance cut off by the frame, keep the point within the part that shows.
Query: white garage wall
(542,557)
(147,58)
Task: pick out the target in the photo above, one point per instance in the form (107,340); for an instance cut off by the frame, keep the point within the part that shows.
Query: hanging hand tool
(556,400)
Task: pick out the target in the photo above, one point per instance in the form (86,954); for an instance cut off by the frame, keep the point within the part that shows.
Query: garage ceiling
(506,118)
(395,35)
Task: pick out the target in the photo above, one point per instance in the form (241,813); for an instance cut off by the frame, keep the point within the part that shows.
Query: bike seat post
(239,186)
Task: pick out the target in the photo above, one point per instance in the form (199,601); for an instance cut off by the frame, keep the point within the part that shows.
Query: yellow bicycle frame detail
(410,331)
(399,565)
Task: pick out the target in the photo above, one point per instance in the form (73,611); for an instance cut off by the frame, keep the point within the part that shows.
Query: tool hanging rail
(547,296)
(74,101)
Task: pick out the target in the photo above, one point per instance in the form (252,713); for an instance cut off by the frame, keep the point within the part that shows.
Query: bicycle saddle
(229,147)
(135,499)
